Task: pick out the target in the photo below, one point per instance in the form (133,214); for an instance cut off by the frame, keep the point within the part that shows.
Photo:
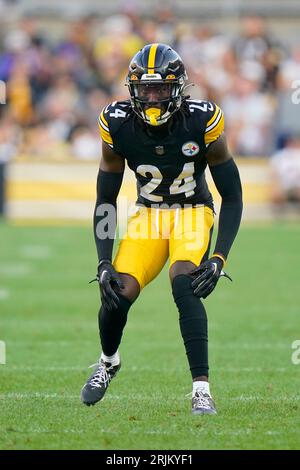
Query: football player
(167,140)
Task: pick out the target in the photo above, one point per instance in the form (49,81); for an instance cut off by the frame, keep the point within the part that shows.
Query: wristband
(217,255)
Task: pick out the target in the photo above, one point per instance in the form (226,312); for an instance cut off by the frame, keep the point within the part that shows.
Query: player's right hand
(109,283)
(207,276)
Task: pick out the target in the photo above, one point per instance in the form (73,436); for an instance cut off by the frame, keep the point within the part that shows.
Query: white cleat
(203,404)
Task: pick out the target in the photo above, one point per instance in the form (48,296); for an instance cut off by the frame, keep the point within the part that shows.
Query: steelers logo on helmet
(156,80)
(190,149)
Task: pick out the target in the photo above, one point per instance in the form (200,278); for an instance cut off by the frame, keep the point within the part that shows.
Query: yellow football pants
(153,235)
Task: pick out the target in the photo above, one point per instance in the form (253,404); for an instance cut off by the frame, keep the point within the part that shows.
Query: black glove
(109,282)
(207,276)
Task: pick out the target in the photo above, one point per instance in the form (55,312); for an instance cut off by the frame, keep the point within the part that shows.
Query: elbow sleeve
(105,214)
(227,180)
(108,186)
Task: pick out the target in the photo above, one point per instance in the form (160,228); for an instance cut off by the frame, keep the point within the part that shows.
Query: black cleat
(203,404)
(97,384)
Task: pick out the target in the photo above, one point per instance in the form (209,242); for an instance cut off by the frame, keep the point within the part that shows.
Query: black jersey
(168,161)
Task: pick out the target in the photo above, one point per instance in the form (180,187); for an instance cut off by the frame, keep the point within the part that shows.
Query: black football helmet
(156,81)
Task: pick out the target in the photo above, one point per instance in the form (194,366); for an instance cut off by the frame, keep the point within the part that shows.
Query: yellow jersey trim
(104,130)
(103,119)
(214,116)
(214,127)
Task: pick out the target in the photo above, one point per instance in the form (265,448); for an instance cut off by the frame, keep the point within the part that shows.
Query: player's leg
(111,325)
(112,322)
(140,257)
(188,247)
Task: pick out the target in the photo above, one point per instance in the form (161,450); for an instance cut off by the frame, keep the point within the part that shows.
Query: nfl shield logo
(159,150)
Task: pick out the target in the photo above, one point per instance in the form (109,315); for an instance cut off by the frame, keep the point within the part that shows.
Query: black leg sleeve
(193,325)
(111,325)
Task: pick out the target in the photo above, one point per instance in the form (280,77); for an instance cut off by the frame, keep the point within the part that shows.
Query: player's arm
(109,182)
(227,180)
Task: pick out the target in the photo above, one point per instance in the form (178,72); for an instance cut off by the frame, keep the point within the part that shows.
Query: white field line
(35,251)
(15,269)
(49,431)
(213,346)
(21,368)
(57,396)
(31,395)
(238,432)
(80,431)
(4,294)
(246,398)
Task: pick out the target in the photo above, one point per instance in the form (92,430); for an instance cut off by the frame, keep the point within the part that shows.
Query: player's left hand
(109,283)
(206,276)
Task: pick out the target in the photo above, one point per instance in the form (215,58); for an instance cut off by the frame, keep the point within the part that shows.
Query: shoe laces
(101,376)
(202,399)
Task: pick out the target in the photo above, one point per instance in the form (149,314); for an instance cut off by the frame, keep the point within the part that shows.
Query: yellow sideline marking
(47,191)
(50,222)
(252,192)
(85,191)
(56,191)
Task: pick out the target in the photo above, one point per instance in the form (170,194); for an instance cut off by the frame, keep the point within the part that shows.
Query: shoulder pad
(200,106)
(110,119)
(213,118)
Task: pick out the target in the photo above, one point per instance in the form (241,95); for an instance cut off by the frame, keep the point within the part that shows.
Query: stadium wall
(65,192)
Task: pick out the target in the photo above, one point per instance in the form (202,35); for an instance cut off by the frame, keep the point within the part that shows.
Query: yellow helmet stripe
(151,58)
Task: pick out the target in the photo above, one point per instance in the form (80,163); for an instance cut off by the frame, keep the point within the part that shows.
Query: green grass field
(49,324)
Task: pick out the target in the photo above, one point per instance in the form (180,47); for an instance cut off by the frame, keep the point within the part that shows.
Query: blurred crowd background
(61,69)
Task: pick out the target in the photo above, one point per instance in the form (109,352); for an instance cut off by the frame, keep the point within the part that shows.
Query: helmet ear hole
(155,66)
